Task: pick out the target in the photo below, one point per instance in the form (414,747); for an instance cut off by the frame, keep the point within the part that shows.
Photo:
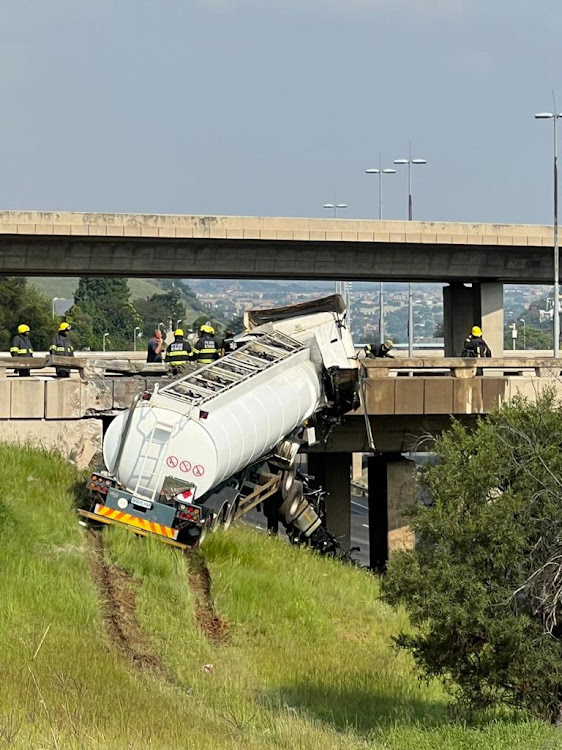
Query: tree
(104,306)
(484,583)
(20,302)
(160,308)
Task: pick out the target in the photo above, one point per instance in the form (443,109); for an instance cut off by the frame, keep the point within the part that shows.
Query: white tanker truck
(202,450)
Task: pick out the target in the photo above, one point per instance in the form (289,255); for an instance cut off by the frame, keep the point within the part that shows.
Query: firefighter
(21,347)
(228,345)
(205,349)
(475,346)
(179,352)
(62,346)
(382,351)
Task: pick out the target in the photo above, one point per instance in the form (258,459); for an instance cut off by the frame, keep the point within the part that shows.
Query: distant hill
(65,287)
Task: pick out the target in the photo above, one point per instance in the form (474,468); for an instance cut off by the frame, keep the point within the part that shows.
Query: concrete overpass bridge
(71,415)
(35,243)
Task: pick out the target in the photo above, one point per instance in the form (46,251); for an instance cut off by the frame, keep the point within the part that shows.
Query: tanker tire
(288,480)
(290,506)
(229,514)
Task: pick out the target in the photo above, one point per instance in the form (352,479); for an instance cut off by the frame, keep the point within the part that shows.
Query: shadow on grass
(368,711)
(361,710)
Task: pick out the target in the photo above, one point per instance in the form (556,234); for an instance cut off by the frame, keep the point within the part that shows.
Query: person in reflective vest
(62,346)
(21,347)
(178,352)
(206,349)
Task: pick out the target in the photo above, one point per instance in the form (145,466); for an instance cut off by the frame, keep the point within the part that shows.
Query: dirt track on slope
(118,596)
(211,623)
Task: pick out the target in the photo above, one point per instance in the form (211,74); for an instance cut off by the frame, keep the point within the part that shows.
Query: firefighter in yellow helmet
(475,346)
(21,347)
(206,348)
(62,347)
(179,352)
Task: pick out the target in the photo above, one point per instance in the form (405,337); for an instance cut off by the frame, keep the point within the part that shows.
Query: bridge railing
(86,367)
(461,367)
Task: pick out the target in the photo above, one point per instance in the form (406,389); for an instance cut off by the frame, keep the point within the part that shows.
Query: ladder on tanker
(252,358)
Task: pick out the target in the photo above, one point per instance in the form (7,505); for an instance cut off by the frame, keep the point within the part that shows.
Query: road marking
(366,525)
(365,507)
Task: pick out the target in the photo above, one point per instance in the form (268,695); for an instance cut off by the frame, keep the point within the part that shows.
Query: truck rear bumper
(144,527)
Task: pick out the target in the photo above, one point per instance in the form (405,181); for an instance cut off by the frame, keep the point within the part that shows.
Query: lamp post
(335,207)
(554,116)
(380,171)
(409,162)
(524,333)
(137,328)
(55,299)
(105,335)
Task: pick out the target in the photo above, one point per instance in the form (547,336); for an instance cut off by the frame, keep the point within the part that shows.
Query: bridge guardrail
(461,367)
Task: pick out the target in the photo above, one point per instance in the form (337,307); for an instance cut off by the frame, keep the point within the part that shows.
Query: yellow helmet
(389,343)
(178,332)
(64,327)
(207,329)
(23,328)
(476,331)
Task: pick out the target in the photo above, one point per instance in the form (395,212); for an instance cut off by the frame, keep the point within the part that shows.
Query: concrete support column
(392,488)
(333,472)
(467,306)
(357,466)
(458,317)
(490,298)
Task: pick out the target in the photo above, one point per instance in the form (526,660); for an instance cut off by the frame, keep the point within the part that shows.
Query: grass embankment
(112,642)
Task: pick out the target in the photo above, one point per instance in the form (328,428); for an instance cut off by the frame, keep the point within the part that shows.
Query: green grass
(65,287)
(308,661)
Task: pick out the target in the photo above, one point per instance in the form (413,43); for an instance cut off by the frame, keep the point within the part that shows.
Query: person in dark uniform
(62,346)
(179,352)
(21,347)
(371,350)
(228,345)
(475,346)
(205,349)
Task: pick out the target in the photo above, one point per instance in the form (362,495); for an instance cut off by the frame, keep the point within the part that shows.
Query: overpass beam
(333,472)
(466,306)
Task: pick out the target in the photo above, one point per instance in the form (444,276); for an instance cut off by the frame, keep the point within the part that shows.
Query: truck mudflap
(141,526)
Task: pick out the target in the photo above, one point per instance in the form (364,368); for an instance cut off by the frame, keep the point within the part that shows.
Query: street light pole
(524,333)
(137,328)
(554,116)
(342,287)
(105,335)
(380,171)
(409,162)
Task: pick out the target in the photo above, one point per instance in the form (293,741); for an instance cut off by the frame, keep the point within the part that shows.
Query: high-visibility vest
(62,345)
(205,350)
(21,346)
(178,352)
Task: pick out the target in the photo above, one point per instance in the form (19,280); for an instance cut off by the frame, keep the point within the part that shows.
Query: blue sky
(266,107)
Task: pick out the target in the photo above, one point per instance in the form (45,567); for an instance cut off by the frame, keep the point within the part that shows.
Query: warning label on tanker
(198,470)
(185,466)
(172,462)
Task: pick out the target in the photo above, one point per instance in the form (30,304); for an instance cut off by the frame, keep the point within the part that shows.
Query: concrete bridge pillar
(333,472)
(466,306)
(392,488)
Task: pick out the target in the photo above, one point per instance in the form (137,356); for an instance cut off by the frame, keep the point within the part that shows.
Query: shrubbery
(484,584)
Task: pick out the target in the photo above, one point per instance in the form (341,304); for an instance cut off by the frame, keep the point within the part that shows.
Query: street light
(380,171)
(55,299)
(137,328)
(409,162)
(524,333)
(554,116)
(335,207)
(105,335)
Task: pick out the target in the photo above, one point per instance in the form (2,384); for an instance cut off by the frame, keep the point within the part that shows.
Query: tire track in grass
(214,627)
(118,598)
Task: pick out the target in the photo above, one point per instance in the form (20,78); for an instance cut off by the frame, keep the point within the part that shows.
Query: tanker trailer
(208,447)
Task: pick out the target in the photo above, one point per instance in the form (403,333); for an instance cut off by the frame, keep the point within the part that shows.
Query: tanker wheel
(290,505)
(230,511)
(204,531)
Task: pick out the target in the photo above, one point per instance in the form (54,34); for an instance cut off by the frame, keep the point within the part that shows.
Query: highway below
(359,527)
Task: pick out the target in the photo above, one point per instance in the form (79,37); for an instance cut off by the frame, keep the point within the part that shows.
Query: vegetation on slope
(110,641)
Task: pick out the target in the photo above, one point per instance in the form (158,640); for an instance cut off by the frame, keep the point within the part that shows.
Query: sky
(272,107)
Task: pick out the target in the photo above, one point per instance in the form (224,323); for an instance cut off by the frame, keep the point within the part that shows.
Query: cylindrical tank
(240,427)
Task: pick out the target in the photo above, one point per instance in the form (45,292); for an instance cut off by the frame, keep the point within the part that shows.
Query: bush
(484,584)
